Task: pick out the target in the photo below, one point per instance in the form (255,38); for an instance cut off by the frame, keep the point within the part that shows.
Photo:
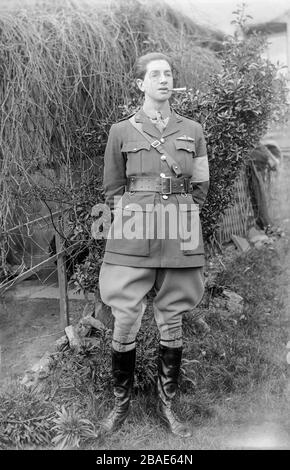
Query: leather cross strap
(162,184)
(156,144)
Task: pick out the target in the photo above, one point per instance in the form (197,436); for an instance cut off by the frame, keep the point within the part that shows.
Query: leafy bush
(236,110)
(25,419)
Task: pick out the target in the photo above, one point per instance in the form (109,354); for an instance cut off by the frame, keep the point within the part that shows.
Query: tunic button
(162,175)
(162,140)
(164,196)
(163,157)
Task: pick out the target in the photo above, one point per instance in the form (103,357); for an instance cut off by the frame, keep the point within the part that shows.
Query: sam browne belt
(162,184)
(156,144)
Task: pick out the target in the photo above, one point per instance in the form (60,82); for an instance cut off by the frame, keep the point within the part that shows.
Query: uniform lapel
(147,125)
(173,124)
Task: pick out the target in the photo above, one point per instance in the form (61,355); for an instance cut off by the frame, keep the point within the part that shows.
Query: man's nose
(163,78)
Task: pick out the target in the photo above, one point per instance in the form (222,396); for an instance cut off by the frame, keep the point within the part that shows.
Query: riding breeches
(124,289)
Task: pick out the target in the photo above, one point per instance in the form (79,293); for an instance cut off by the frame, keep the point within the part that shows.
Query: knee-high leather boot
(169,361)
(123,365)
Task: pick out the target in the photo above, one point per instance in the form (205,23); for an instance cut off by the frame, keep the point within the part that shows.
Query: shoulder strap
(156,144)
(125,118)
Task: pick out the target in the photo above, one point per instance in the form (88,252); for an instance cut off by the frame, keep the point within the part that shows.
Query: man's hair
(143,61)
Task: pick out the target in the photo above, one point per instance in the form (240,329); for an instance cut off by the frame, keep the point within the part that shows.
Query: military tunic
(129,154)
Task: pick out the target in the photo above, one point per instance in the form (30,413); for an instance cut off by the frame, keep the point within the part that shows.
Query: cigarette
(178,89)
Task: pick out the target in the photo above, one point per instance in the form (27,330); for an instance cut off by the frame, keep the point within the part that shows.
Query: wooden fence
(239,217)
(58,222)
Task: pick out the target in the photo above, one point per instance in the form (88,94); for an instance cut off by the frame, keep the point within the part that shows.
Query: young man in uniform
(155,165)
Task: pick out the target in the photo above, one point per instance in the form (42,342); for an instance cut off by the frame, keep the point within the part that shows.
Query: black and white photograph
(144,228)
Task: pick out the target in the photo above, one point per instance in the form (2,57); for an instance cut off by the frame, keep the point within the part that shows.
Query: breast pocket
(185,150)
(134,151)
(129,232)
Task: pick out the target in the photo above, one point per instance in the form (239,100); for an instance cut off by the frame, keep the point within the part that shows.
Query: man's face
(158,81)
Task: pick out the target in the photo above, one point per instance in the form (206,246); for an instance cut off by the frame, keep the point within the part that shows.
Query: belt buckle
(155,144)
(185,189)
(167,178)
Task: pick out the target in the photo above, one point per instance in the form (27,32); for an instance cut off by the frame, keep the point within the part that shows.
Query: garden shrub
(240,102)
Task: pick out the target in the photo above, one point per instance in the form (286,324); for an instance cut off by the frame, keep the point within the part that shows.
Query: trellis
(239,217)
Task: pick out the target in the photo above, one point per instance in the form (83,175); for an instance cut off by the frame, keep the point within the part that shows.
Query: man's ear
(140,84)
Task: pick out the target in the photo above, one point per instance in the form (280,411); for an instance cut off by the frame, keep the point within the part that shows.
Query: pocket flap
(136,202)
(135,146)
(135,207)
(189,146)
(186,204)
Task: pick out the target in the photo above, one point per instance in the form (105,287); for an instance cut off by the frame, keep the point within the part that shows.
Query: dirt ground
(29,328)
